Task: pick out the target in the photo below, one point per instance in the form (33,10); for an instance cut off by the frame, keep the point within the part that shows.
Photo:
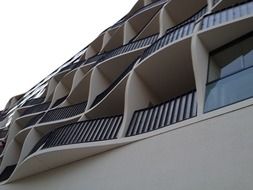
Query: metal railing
(197,15)
(115,82)
(63,112)
(3,115)
(3,133)
(81,132)
(37,108)
(34,120)
(215,2)
(34,101)
(165,114)
(59,101)
(149,6)
(130,47)
(172,35)
(228,14)
(6,173)
(94,58)
(86,131)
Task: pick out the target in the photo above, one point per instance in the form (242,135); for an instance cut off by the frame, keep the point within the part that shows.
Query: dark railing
(3,115)
(86,131)
(36,108)
(68,67)
(215,2)
(6,173)
(115,82)
(59,101)
(170,112)
(94,58)
(197,15)
(82,132)
(39,143)
(64,112)
(172,35)
(34,120)
(130,46)
(34,101)
(149,6)
(228,14)
(3,133)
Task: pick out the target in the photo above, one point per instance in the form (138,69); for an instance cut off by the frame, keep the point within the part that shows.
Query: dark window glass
(232,59)
(230,75)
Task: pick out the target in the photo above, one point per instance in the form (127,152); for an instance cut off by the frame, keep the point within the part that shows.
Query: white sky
(37,36)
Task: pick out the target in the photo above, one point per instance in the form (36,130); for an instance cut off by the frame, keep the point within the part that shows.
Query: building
(160,100)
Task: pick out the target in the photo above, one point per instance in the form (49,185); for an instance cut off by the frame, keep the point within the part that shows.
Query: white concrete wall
(214,154)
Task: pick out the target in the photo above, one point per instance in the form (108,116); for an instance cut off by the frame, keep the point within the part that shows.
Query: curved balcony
(82,132)
(130,47)
(214,2)
(171,35)
(114,83)
(34,120)
(37,108)
(7,172)
(226,15)
(94,58)
(64,112)
(59,101)
(34,101)
(149,6)
(123,49)
(3,133)
(173,111)
(3,115)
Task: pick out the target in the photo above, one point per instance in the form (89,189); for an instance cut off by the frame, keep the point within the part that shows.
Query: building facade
(160,100)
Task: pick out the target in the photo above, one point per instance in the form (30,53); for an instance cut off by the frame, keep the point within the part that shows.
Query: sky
(37,36)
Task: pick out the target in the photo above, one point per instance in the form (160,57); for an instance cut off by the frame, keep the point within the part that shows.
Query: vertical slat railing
(63,112)
(82,132)
(228,14)
(165,114)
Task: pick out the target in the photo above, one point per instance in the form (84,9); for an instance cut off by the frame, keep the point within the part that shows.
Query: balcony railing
(115,82)
(94,58)
(130,47)
(59,101)
(6,173)
(37,108)
(228,14)
(34,120)
(64,112)
(82,132)
(3,133)
(172,35)
(165,114)
(197,15)
(3,115)
(215,2)
(34,101)
(149,6)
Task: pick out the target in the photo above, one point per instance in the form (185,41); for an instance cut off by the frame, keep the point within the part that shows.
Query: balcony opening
(191,10)
(137,24)
(110,77)
(163,86)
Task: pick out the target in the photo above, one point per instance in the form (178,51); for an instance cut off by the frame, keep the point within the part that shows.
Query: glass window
(248,59)
(230,74)
(231,59)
